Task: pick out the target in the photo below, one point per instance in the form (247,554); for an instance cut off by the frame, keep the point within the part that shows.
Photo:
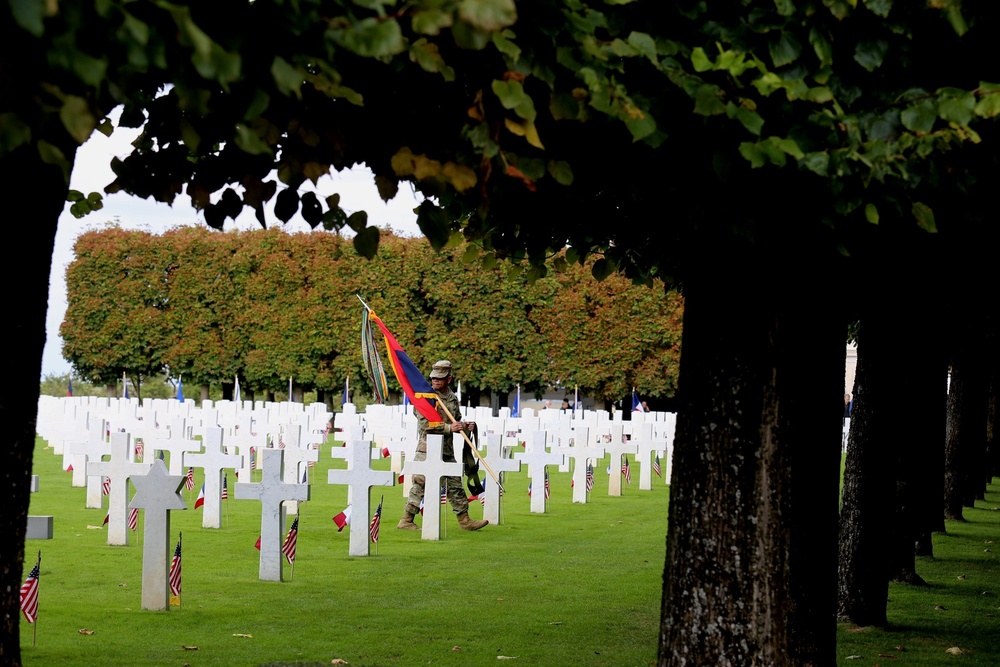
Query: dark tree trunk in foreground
(751,568)
(34,194)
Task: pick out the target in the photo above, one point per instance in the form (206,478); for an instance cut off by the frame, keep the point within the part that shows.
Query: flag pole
(475,451)
(38,590)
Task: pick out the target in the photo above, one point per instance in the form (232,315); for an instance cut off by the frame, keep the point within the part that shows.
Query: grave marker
(433,468)
(118,469)
(537,458)
(213,461)
(156,493)
(359,478)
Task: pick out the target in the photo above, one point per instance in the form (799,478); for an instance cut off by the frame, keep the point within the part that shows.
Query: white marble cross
(271,491)
(359,478)
(242,440)
(646,446)
(433,468)
(537,458)
(581,452)
(617,450)
(173,441)
(499,464)
(118,469)
(156,493)
(298,453)
(92,449)
(213,461)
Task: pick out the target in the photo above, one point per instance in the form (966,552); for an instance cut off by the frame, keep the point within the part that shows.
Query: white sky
(92,173)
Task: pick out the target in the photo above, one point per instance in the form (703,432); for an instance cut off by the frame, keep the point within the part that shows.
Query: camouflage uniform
(456,492)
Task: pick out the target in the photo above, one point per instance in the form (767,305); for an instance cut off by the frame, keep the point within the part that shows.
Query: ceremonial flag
(590,478)
(175,570)
(236,390)
(376,522)
(343,519)
(180,390)
(253,459)
(225,487)
(656,466)
(189,480)
(133,519)
(444,495)
(406,403)
(627,471)
(291,541)
(29,593)
(636,403)
(414,384)
(201,497)
(516,410)
(106,486)
(69,386)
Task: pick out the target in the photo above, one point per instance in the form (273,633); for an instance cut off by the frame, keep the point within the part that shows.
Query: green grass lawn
(580,585)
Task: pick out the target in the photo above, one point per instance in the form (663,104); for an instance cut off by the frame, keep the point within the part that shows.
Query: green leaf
(988,105)
(426,55)
(74,195)
(753,154)
(870,53)
(920,117)
(504,45)
(371,37)
(77,118)
(287,77)
(821,47)
(14,132)
(871,213)
(644,45)
(956,106)
(512,96)
(471,254)
(357,220)
(641,127)
(817,162)
(29,14)
(708,100)
(430,21)
(312,210)
(785,7)
(434,224)
(286,204)
(925,217)
(602,268)
(751,120)
(488,15)
(250,142)
(958,24)
(561,171)
(879,7)
(366,242)
(700,61)
(786,50)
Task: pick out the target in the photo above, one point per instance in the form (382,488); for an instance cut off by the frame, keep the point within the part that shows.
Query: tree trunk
(965,445)
(35,193)
(751,567)
(204,392)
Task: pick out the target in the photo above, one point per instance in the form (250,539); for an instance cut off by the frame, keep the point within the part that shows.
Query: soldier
(440,381)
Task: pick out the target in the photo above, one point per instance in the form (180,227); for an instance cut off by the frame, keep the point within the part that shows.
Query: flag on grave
(124,385)
(444,495)
(515,410)
(180,391)
(291,541)
(253,459)
(590,478)
(29,593)
(347,390)
(69,386)
(236,391)
(106,486)
(627,471)
(200,500)
(107,517)
(257,544)
(421,506)
(636,403)
(376,522)
(414,384)
(225,487)
(547,484)
(174,579)
(343,519)
(656,466)
(139,450)
(133,519)
(385,452)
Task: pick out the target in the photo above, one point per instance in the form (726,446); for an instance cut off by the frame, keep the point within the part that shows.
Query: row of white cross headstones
(158,490)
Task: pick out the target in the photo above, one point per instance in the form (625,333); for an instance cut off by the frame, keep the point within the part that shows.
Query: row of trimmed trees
(264,306)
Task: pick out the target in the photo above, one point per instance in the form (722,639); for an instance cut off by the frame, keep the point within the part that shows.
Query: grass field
(579,585)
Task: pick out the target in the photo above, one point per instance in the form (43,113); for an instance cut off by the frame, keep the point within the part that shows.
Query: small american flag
(133,519)
(106,486)
(189,480)
(312,464)
(656,466)
(376,522)
(444,495)
(175,571)
(547,484)
(29,593)
(225,487)
(138,449)
(253,460)
(281,441)
(291,541)
(627,471)
(590,478)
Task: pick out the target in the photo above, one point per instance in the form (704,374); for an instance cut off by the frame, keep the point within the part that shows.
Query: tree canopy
(267,305)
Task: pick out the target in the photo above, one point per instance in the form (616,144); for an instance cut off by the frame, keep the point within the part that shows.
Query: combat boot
(465,523)
(406,523)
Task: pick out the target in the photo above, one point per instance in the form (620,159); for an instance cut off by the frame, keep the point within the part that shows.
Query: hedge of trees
(266,305)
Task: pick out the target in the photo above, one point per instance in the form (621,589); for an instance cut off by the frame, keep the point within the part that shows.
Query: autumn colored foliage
(266,305)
